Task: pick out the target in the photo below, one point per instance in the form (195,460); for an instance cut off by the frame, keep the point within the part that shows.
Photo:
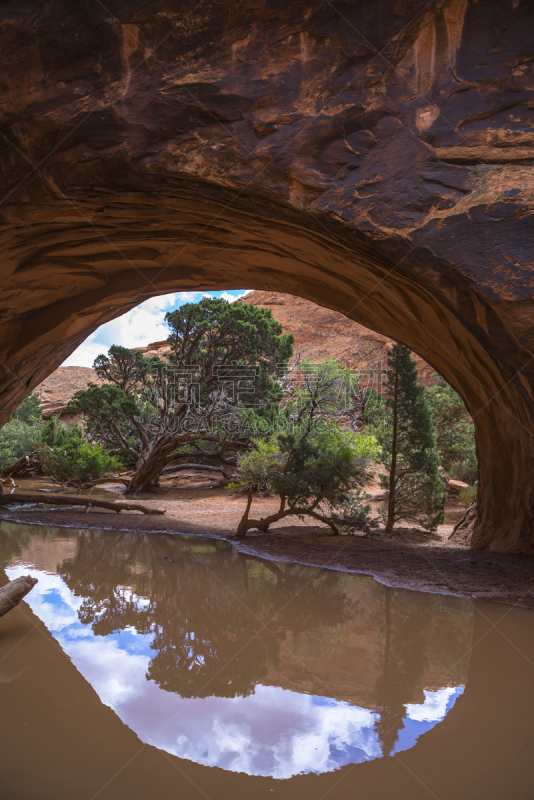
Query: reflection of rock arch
(366,161)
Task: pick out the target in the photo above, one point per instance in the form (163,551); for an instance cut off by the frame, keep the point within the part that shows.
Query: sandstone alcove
(374,157)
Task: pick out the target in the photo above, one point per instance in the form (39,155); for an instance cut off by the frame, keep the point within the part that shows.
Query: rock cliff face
(322,334)
(56,391)
(374,157)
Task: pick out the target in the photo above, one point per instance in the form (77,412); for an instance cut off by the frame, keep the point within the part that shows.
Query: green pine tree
(408,441)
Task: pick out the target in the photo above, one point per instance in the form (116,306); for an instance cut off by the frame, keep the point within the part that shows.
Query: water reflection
(229,660)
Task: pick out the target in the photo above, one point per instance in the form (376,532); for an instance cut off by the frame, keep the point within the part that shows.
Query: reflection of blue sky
(273,732)
(420,718)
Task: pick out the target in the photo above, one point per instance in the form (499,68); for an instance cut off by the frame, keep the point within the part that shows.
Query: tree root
(264,523)
(70,500)
(463,530)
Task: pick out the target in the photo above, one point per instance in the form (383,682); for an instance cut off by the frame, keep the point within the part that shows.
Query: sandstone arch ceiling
(372,156)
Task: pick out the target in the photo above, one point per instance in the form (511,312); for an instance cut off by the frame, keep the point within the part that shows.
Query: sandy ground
(410,559)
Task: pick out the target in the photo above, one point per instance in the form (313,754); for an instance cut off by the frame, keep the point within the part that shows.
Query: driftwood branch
(14,591)
(98,481)
(22,464)
(71,500)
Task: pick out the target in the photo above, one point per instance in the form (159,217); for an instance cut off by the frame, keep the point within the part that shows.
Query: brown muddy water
(167,666)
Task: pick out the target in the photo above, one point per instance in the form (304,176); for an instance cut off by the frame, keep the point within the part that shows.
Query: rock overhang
(373,157)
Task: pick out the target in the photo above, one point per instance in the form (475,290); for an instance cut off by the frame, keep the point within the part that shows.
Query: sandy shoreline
(411,559)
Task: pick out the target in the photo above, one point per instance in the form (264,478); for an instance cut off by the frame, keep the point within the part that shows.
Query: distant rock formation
(321,333)
(57,390)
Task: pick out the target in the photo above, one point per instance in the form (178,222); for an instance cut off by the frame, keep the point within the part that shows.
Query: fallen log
(12,593)
(98,481)
(22,464)
(25,498)
(180,467)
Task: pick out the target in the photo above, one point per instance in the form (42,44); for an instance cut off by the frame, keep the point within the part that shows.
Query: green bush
(365,448)
(261,467)
(29,410)
(315,471)
(67,457)
(16,439)
(22,431)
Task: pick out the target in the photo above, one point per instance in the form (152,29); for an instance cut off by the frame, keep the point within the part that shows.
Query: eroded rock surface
(321,334)
(374,157)
(57,390)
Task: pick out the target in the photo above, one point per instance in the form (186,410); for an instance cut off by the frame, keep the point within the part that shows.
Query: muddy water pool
(148,665)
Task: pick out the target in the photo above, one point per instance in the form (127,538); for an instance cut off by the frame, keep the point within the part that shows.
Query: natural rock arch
(375,157)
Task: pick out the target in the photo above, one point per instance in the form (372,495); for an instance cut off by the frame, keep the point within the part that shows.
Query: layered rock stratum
(375,157)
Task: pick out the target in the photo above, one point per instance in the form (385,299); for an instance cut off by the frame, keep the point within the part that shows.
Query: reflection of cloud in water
(435,706)
(273,732)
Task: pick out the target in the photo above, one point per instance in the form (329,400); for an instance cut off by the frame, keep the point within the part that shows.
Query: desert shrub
(29,410)
(315,470)
(261,467)
(16,439)
(67,457)
(22,431)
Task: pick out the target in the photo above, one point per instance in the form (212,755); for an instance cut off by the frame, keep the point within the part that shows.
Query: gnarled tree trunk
(246,523)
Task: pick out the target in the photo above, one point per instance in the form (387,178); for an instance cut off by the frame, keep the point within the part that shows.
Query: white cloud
(231,298)
(272,732)
(142,325)
(435,706)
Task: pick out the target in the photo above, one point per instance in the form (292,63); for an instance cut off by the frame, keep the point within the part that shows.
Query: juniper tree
(408,441)
(315,475)
(221,372)
(318,464)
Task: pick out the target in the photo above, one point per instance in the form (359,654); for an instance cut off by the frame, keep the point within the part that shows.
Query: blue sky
(142,325)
